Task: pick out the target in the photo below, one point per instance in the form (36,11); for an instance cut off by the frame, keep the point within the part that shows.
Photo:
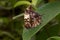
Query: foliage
(11,20)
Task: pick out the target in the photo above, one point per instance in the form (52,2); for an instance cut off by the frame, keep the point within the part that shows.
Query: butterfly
(31,18)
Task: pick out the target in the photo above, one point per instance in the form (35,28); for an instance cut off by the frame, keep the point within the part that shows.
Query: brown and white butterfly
(31,18)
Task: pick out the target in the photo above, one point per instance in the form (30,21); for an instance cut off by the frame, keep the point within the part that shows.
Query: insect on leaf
(50,11)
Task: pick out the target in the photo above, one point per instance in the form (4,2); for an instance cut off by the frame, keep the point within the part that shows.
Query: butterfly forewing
(31,18)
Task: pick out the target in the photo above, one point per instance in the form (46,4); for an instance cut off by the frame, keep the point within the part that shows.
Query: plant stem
(15,17)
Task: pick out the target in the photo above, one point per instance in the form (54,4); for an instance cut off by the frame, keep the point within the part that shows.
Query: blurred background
(11,29)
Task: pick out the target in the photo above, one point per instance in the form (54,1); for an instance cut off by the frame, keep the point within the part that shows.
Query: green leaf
(49,30)
(54,38)
(36,2)
(6,33)
(19,3)
(50,11)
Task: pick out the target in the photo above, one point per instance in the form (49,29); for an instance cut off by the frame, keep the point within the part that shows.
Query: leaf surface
(50,11)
